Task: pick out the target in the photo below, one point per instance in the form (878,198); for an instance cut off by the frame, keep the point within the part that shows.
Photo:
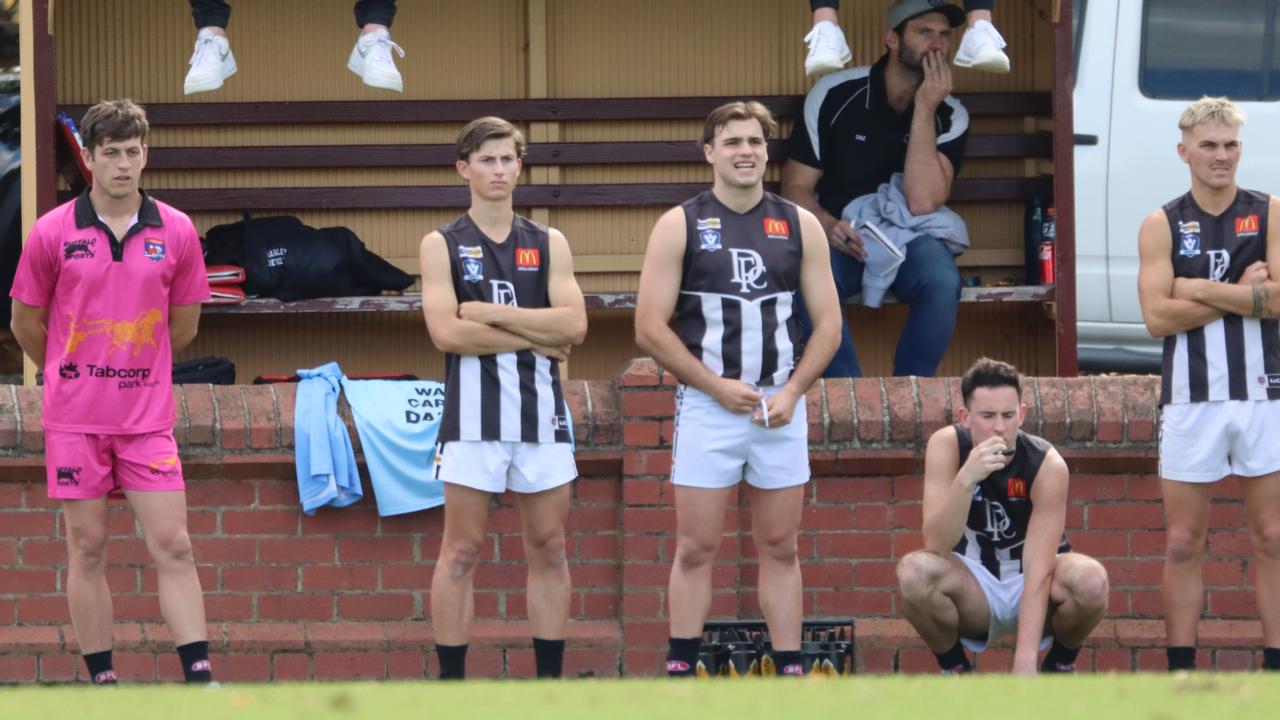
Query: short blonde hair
(1211,109)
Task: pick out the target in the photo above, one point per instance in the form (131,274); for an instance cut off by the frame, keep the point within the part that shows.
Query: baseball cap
(904,10)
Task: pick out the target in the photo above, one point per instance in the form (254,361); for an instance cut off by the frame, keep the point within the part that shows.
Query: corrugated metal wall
(477,49)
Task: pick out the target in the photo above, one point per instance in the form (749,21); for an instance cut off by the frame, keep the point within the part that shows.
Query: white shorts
(715,448)
(1004,597)
(1204,442)
(497,466)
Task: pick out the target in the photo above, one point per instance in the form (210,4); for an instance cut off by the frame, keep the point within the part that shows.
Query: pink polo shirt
(108,364)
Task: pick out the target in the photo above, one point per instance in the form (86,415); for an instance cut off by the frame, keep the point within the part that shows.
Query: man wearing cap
(860,127)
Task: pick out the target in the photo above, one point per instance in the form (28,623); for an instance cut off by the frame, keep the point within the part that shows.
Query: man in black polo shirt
(862,125)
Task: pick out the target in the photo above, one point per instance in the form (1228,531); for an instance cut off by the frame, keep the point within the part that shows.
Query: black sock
(789,662)
(1181,658)
(548,657)
(682,656)
(954,660)
(195,662)
(453,661)
(101,671)
(1270,658)
(1059,659)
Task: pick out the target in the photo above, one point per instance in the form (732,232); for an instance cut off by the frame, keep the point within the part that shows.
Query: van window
(1192,48)
(1077,22)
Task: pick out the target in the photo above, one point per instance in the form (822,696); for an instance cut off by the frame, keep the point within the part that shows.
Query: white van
(1139,63)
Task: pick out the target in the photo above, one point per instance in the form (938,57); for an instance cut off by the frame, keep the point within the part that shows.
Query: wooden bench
(1032,144)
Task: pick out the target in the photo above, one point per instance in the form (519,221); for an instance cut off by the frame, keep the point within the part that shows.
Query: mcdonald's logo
(1017,488)
(777,228)
(528,258)
(1247,226)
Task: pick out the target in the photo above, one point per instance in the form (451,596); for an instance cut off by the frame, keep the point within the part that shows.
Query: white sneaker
(211,63)
(828,50)
(981,48)
(371,60)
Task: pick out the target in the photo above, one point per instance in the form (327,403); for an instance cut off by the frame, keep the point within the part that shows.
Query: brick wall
(344,594)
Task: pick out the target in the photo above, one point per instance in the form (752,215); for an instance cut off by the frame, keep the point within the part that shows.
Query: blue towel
(325,461)
(398,422)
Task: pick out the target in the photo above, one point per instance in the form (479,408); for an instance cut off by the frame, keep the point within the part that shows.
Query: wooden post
(39,172)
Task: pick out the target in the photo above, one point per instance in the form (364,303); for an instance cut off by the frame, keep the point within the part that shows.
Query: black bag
(205,371)
(287,260)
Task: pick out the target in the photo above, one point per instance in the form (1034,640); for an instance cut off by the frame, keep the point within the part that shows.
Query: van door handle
(1085,139)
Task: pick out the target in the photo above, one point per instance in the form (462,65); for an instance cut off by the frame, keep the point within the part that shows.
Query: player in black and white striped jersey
(1209,262)
(730,266)
(500,299)
(996,560)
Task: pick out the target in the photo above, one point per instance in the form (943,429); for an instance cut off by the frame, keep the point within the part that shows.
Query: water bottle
(1048,249)
(1034,235)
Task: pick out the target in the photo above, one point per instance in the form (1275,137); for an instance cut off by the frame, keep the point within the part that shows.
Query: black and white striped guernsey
(996,529)
(514,396)
(1233,357)
(741,275)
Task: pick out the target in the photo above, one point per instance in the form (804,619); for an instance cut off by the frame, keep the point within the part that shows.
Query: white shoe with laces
(982,48)
(828,50)
(211,63)
(371,60)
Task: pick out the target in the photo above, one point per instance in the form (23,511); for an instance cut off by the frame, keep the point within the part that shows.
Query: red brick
(59,668)
(1097,487)
(290,667)
(220,551)
(854,545)
(339,577)
(1135,572)
(641,404)
(604,605)
(1146,604)
(30,416)
(917,661)
(1233,660)
(1053,409)
(295,607)
(261,404)
(27,523)
(870,409)
(834,575)
(1125,515)
(839,396)
(260,522)
(1081,415)
(383,606)
(592,519)
(593,490)
(648,520)
(485,663)
(1224,544)
(644,433)
(12,491)
(17,669)
(243,668)
(8,418)
(1232,603)
(639,634)
(286,399)
(644,663)
(935,411)
(875,573)
(642,604)
(260,578)
(646,462)
(296,550)
(222,607)
(1110,407)
(581,662)
(1140,409)
(272,493)
(852,602)
(501,576)
(221,493)
(43,609)
(200,414)
(1101,543)
(596,547)
(350,666)
(28,581)
(233,422)
(901,403)
(852,490)
(1112,660)
(817,517)
(135,666)
(907,516)
(406,665)
(641,372)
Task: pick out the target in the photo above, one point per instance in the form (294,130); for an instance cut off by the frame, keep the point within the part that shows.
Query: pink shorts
(84,467)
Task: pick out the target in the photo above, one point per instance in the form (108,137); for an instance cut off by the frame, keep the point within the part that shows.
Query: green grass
(1084,697)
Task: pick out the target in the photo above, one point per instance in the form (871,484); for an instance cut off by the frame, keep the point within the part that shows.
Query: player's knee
(1090,586)
(1183,545)
(547,550)
(780,548)
(694,553)
(88,550)
(462,556)
(173,547)
(1266,539)
(919,573)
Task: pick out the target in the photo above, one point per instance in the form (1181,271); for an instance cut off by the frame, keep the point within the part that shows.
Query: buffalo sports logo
(1247,226)
(82,249)
(528,259)
(777,228)
(153,249)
